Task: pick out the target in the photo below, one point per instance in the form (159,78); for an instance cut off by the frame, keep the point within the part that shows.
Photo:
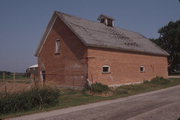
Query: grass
(176,73)
(19,81)
(25,80)
(11,77)
(71,97)
(36,98)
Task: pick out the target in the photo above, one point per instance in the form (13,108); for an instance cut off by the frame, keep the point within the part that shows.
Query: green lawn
(11,77)
(176,73)
(71,97)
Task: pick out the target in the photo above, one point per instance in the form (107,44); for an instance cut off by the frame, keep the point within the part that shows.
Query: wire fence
(14,82)
(10,77)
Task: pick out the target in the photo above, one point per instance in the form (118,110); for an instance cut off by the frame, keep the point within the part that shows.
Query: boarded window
(57,48)
(106,69)
(142,69)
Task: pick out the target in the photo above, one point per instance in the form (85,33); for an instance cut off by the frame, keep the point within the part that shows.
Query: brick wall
(69,67)
(124,66)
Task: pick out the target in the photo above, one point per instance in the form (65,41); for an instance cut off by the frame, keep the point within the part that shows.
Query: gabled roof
(105,16)
(96,34)
(33,66)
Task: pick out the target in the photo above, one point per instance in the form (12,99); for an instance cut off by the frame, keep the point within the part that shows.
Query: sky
(23,22)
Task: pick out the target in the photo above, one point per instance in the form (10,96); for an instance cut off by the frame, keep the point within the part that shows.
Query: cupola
(109,21)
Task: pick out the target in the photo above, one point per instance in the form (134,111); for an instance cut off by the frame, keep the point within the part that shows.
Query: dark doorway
(44,75)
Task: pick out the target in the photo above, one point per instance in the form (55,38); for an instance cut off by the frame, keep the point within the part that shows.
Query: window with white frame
(57,47)
(142,69)
(106,69)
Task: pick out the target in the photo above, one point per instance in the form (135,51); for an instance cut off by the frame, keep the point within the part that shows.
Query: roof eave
(59,14)
(127,50)
(46,32)
(55,15)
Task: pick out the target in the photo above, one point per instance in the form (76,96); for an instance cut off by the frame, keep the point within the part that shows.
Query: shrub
(146,81)
(99,88)
(35,98)
(159,80)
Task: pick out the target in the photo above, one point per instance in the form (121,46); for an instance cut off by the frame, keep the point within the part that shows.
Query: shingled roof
(96,34)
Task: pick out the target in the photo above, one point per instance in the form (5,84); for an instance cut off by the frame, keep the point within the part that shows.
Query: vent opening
(109,21)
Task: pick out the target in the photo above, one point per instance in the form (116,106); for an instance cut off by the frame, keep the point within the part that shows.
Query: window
(109,22)
(106,69)
(102,20)
(57,49)
(142,69)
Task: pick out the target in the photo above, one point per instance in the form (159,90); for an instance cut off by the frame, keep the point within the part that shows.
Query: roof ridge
(77,17)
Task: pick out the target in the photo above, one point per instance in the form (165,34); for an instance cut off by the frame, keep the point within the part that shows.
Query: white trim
(105,21)
(57,46)
(41,77)
(109,70)
(33,66)
(46,35)
(143,68)
(112,23)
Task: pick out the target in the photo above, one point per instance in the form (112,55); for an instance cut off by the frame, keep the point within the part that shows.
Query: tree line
(169,40)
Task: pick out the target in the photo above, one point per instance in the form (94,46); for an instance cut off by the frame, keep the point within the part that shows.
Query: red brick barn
(74,51)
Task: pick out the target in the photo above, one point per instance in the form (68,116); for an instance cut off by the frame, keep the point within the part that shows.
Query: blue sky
(22,22)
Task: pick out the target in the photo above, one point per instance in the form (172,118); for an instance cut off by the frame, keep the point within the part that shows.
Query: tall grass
(23,101)
(159,80)
(155,83)
(98,87)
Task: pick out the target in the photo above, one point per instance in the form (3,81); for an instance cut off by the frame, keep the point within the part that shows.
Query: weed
(160,80)
(99,88)
(23,101)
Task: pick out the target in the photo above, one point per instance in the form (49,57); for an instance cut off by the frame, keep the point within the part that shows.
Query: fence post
(3,76)
(14,76)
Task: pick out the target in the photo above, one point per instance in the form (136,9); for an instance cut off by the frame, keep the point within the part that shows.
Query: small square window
(106,69)
(142,69)
(57,47)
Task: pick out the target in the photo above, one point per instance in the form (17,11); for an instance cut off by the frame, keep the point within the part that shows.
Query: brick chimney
(109,21)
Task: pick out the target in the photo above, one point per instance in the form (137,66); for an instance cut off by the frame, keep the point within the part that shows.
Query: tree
(169,40)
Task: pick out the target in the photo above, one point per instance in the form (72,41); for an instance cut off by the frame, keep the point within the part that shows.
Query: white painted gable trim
(46,33)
